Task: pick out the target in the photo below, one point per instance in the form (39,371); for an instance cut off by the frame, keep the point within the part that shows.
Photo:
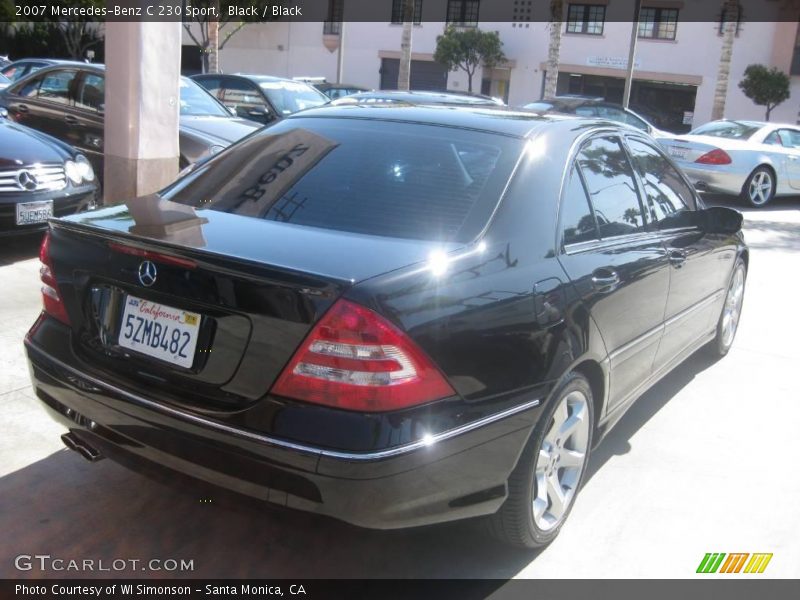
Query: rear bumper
(712,178)
(458,474)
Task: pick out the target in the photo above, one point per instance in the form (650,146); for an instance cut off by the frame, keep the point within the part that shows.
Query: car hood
(20,145)
(217,130)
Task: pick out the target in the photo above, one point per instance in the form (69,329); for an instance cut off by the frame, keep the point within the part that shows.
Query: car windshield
(291,96)
(369,177)
(736,130)
(196,102)
(4,79)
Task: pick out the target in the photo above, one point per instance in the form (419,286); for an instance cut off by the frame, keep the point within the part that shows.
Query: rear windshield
(737,130)
(363,176)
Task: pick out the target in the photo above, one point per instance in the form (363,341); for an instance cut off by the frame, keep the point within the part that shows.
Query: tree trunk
(769,110)
(404,73)
(554,48)
(213,46)
(469,81)
(730,13)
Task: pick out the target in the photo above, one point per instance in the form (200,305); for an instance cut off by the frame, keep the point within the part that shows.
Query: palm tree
(730,18)
(556,19)
(404,74)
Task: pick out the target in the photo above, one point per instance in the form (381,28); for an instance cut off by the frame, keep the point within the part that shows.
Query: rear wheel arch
(597,382)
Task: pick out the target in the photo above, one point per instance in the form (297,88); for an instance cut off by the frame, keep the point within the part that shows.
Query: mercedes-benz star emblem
(27,181)
(147,273)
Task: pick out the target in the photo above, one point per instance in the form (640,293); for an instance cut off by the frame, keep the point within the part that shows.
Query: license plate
(29,213)
(678,152)
(160,331)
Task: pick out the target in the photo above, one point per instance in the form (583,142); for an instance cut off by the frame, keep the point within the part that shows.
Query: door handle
(604,279)
(677,258)
(70,120)
(23,108)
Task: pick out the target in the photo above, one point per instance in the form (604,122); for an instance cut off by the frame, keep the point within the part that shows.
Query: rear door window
(612,187)
(92,94)
(363,176)
(667,195)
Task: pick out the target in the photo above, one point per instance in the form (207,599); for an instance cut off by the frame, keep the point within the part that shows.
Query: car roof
(501,120)
(263,78)
(48,61)
(422,97)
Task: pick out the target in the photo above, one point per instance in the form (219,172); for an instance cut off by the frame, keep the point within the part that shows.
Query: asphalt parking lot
(705,462)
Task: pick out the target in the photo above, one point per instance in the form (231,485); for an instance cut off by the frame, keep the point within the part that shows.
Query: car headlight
(79,170)
(73,172)
(85,167)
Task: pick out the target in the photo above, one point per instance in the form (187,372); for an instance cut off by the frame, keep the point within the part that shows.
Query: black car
(40,177)
(393,315)
(262,98)
(593,108)
(421,97)
(67,101)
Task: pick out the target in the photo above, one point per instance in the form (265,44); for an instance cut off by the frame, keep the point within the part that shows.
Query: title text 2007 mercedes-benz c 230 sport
(393,315)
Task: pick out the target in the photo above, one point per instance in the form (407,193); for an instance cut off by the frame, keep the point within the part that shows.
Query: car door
(618,266)
(86,120)
(699,262)
(789,143)
(246,99)
(54,99)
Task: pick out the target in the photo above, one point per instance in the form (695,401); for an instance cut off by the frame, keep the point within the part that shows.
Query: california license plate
(29,213)
(678,152)
(160,331)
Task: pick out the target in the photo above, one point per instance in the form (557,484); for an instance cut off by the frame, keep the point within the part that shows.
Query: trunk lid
(255,287)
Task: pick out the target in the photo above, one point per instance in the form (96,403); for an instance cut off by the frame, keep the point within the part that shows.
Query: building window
(658,23)
(463,13)
(522,13)
(586,18)
(333,24)
(737,13)
(397,12)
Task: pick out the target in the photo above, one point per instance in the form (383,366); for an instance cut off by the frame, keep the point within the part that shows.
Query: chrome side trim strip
(661,328)
(354,456)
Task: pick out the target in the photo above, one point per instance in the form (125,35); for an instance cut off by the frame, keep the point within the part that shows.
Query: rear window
(362,176)
(736,130)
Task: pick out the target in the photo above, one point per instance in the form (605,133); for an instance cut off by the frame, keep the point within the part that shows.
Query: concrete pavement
(705,462)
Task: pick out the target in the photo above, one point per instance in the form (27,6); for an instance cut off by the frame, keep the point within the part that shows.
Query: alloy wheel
(733,307)
(560,461)
(760,189)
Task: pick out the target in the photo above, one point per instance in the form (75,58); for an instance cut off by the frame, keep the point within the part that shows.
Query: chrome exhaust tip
(76,444)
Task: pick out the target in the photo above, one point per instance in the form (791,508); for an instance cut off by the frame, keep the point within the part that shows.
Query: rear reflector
(51,298)
(715,157)
(357,360)
(166,259)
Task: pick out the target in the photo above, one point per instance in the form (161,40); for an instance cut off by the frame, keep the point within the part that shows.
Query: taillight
(168,259)
(357,360)
(715,157)
(53,304)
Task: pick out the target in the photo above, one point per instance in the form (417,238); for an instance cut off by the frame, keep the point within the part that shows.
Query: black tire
(760,177)
(514,523)
(722,342)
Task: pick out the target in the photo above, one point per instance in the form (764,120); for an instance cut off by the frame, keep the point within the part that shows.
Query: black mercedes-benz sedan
(392,315)
(40,177)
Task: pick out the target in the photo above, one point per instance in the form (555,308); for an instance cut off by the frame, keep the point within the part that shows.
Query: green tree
(765,86)
(212,33)
(467,49)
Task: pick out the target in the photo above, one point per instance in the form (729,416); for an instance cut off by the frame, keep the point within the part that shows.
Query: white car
(751,159)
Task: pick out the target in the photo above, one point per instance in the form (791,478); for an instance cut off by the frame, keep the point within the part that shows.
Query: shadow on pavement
(17,248)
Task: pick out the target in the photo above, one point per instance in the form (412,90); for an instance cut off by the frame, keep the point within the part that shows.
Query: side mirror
(719,219)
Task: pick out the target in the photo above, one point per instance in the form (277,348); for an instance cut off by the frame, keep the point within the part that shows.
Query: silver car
(751,159)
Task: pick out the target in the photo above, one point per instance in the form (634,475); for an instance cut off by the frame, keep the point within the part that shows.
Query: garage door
(425,75)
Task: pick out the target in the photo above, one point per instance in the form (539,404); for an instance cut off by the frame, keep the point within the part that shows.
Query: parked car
(338,90)
(750,159)
(67,101)
(4,82)
(40,177)
(392,315)
(595,108)
(24,67)
(4,61)
(261,98)
(419,98)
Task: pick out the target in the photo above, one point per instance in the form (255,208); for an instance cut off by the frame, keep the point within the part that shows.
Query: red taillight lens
(166,259)
(357,360)
(51,298)
(715,157)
